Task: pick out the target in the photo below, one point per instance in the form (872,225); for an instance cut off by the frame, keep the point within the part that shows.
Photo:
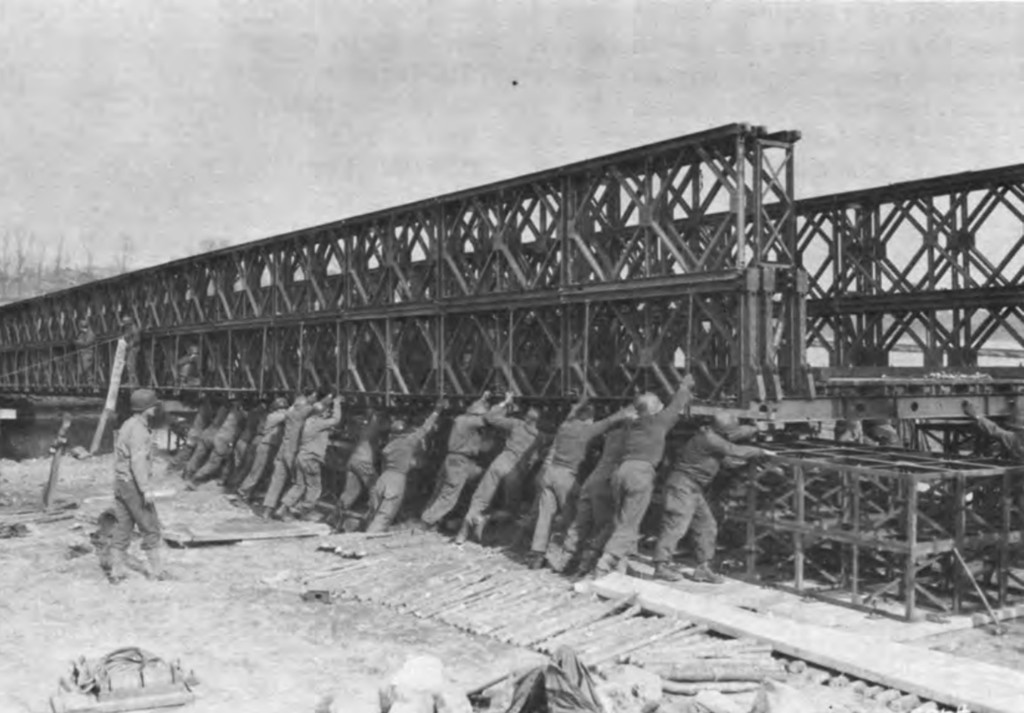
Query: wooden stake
(59,444)
(115,384)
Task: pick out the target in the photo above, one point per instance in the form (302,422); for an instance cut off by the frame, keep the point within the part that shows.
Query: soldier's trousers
(455,473)
(686,507)
(556,487)
(198,458)
(283,472)
(307,488)
(220,454)
(184,454)
(132,512)
(386,500)
(359,478)
(501,469)
(131,362)
(257,470)
(632,487)
(595,513)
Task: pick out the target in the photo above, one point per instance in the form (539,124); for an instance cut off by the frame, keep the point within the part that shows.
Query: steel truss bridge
(612,274)
(618,274)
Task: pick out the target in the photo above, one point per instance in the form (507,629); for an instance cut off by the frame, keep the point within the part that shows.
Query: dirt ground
(253,647)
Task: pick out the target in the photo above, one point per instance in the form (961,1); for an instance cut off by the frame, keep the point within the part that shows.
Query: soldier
(223,445)
(132,336)
(313,441)
(245,447)
(520,440)
(204,445)
(595,509)
(693,469)
(465,443)
(558,479)
(188,368)
(86,345)
(267,442)
(633,482)
(284,461)
(195,431)
(1012,439)
(134,505)
(398,457)
(361,472)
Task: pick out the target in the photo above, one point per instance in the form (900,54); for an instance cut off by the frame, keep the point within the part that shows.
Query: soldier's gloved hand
(688,382)
(765,453)
(148,496)
(970,410)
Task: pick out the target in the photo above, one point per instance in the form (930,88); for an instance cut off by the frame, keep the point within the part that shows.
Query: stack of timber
(900,676)
(483,592)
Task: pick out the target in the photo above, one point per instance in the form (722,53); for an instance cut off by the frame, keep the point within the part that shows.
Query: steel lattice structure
(935,263)
(611,274)
(857,524)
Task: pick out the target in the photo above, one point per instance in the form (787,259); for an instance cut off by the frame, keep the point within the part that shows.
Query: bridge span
(611,274)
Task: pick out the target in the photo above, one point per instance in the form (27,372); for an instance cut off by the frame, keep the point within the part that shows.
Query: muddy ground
(253,647)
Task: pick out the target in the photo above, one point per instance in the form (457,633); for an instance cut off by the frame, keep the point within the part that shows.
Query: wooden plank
(933,675)
(236,531)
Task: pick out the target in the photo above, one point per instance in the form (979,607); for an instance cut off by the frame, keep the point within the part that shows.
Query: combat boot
(587,562)
(117,572)
(666,573)
(557,559)
(477,528)
(463,532)
(704,575)
(156,566)
(535,560)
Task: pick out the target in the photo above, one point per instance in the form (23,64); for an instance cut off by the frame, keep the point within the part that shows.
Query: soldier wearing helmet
(268,440)
(134,501)
(465,444)
(398,458)
(633,481)
(696,465)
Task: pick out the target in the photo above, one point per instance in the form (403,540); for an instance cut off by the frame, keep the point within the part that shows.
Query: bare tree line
(30,265)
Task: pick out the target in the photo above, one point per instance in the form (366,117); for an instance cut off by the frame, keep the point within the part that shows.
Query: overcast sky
(178,122)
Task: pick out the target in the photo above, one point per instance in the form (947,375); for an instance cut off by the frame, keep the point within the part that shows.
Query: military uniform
(360,471)
(268,440)
(133,466)
(465,443)
(284,461)
(398,457)
(204,445)
(520,440)
(595,507)
(697,464)
(633,481)
(86,344)
(133,342)
(221,447)
(558,479)
(309,460)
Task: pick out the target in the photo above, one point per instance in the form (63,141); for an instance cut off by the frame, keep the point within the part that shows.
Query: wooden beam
(932,675)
